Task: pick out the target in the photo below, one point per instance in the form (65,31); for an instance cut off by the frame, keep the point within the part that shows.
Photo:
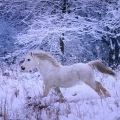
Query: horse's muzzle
(22,68)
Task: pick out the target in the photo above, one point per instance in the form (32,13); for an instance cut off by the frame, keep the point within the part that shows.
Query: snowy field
(88,29)
(20,99)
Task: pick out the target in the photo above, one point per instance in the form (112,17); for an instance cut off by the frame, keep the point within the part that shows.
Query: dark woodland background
(72,30)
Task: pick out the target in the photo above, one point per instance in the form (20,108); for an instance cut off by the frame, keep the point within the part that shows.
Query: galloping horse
(56,75)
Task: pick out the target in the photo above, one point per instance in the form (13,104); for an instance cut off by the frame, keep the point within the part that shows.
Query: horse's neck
(45,67)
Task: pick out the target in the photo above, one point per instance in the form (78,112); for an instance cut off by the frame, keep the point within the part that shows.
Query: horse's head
(39,59)
(29,63)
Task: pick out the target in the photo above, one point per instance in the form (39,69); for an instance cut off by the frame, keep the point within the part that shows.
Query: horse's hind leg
(94,86)
(99,86)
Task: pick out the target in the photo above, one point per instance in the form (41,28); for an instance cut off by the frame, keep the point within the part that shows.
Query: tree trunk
(62,43)
(113,53)
(114,49)
(64,10)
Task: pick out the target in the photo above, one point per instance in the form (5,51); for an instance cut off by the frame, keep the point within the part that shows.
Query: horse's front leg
(57,89)
(47,88)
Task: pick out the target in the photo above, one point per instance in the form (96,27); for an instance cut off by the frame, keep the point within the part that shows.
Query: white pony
(56,75)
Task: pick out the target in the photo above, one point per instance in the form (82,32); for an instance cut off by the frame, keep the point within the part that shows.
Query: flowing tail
(101,67)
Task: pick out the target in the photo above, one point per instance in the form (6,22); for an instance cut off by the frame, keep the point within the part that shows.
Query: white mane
(45,56)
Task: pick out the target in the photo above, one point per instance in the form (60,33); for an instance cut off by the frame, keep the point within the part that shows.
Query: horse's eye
(28,59)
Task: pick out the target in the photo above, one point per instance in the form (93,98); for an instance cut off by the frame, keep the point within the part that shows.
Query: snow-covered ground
(21,99)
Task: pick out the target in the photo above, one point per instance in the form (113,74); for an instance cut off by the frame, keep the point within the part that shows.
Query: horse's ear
(31,53)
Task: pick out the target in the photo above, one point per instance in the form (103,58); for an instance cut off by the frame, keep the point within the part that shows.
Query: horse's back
(82,67)
(71,75)
(86,71)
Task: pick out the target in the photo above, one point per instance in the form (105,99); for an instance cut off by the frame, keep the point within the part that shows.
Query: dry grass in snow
(21,99)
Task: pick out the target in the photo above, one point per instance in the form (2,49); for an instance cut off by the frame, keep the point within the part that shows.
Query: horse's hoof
(107,94)
(102,96)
